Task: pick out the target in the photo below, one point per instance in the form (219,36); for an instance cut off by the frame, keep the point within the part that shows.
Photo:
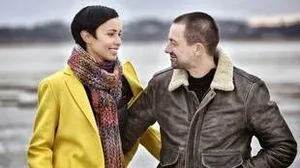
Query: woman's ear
(86,36)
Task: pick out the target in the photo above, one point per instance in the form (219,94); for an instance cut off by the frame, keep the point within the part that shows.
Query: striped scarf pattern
(105,90)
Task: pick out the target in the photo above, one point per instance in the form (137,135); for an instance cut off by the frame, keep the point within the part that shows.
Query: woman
(76,124)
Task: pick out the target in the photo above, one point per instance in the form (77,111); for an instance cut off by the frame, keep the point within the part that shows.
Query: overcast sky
(29,12)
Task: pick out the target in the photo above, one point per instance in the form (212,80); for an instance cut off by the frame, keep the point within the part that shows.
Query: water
(23,66)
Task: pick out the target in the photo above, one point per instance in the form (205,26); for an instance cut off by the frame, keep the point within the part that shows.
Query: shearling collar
(223,79)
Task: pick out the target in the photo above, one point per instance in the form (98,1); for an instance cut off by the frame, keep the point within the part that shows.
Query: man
(208,110)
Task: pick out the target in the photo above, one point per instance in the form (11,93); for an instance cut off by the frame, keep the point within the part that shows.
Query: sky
(31,12)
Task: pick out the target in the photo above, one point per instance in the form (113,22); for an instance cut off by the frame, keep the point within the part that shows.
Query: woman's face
(104,47)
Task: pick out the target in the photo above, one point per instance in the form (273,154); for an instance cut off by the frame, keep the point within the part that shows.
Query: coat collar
(131,76)
(79,95)
(132,79)
(223,79)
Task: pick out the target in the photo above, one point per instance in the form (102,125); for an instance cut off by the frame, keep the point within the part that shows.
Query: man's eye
(110,34)
(173,43)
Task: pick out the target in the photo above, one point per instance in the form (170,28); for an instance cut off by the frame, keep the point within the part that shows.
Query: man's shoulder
(242,74)
(164,71)
(161,78)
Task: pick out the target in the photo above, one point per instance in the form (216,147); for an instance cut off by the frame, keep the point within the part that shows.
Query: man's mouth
(114,49)
(172,56)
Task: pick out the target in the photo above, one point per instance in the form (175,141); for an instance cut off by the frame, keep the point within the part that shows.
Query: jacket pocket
(222,159)
(169,158)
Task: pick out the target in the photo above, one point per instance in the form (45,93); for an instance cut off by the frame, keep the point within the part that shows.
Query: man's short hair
(90,18)
(200,27)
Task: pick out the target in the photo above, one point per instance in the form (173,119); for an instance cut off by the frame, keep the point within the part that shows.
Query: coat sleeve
(264,120)
(40,153)
(140,117)
(150,140)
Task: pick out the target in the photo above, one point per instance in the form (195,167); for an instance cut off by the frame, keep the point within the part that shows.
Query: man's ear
(199,48)
(86,36)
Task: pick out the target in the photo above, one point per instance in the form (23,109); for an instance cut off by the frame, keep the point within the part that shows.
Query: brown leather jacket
(217,131)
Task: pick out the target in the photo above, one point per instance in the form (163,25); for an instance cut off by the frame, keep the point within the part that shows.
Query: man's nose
(168,48)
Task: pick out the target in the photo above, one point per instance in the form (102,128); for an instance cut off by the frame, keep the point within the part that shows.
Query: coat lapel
(135,85)
(79,95)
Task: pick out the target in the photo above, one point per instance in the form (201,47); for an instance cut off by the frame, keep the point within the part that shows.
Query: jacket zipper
(202,105)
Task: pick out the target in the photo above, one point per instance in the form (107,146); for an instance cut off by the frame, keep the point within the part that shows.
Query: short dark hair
(90,18)
(200,27)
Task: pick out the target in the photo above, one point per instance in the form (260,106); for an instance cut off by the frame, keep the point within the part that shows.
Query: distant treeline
(49,32)
(148,30)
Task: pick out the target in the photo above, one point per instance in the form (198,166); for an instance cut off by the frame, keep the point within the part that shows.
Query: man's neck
(202,67)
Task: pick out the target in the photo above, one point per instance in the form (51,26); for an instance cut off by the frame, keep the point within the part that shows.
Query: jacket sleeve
(264,120)
(140,117)
(40,153)
(150,140)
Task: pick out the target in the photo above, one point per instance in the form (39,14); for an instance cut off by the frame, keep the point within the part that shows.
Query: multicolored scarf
(105,88)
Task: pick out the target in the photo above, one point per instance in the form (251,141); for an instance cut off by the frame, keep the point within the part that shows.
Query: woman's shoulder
(58,75)
(56,78)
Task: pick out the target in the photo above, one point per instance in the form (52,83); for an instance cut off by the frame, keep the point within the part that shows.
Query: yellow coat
(65,134)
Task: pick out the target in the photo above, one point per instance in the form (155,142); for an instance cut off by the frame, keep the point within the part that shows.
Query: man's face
(107,42)
(181,54)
